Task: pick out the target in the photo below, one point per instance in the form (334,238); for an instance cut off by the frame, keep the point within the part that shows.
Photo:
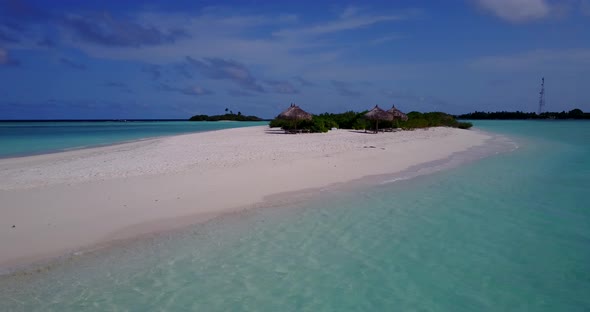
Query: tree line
(355,120)
(229,115)
(504,115)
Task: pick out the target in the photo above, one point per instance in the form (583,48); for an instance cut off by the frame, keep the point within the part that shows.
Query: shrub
(361,124)
(464,125)
(278,123)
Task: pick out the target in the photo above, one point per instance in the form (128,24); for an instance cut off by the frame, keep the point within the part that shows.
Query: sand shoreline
(181,180)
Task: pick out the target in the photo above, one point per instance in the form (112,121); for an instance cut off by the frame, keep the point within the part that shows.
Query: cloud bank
(103,29)
(218,68)
(516,10)
(72,64)
(345,89)
(191,90)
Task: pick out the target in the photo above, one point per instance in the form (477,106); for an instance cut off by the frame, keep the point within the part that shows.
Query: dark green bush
(278,123)
(361,124)
(414,115)
(414,123)
(464,125)
(352,120)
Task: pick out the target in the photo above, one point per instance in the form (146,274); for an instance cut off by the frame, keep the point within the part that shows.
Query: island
(518,115)
(358,121)
(228,116)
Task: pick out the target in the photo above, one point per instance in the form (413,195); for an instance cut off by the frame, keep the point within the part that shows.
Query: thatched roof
(294,112)
(378,114)
(397,114)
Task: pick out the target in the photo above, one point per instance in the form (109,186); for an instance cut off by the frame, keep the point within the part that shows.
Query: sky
(70,59)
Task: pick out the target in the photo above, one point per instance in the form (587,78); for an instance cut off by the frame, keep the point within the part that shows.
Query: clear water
(29,138)
(510,232)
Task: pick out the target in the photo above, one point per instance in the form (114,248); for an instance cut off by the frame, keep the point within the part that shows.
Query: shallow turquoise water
(29,138)
(510,232)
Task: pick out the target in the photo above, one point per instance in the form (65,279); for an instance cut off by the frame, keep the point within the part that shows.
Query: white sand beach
(57,203)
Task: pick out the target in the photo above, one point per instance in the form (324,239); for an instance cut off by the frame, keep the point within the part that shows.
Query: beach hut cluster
(295,113)
(377,114)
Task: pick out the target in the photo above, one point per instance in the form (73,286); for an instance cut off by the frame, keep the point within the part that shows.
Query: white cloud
(196,90)
(274,46)
(230,36)
(349,12)
(517,10)
(344,24)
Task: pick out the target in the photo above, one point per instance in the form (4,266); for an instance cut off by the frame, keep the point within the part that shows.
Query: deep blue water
(29,138)
(510,232)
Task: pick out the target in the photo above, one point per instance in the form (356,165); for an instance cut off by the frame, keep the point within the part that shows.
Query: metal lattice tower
(542,96)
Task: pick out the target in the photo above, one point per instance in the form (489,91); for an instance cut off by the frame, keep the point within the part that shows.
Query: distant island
(503,115)
(229,116)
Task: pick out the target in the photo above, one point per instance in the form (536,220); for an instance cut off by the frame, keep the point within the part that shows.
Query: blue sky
(173,59)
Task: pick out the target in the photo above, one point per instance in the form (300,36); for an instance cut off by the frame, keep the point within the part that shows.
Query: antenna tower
(542,96)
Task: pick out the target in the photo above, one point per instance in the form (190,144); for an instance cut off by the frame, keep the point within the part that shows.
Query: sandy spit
(58,203)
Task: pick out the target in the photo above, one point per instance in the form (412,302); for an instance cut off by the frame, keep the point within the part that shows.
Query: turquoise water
(510,232)
(29,138)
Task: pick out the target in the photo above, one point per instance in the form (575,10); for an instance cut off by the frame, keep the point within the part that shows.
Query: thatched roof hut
(397,114)
(378,114)
(294,112)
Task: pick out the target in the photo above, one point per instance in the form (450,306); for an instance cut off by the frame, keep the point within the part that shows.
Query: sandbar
(58,203)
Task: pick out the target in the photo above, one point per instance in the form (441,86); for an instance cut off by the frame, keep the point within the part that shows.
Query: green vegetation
(353,120)
(226,116)
(433,119)
(316,124)
(573,114)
